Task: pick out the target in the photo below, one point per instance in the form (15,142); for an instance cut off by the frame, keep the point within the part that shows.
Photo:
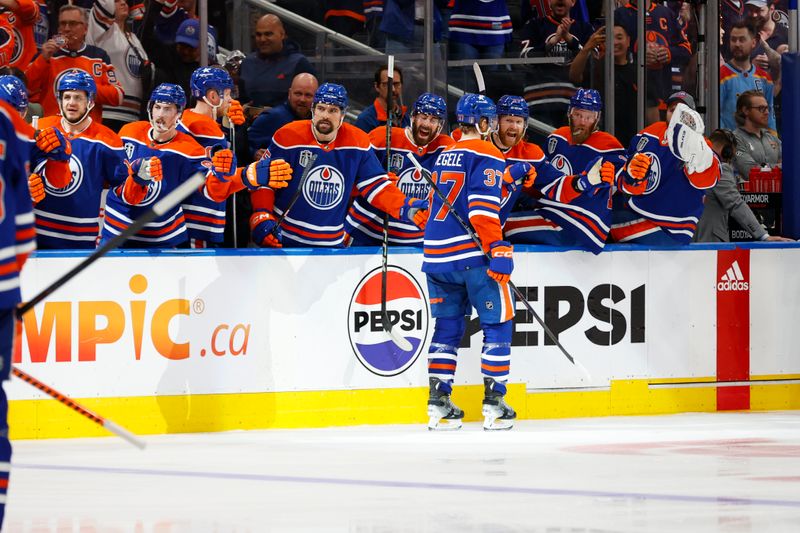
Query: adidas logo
(733,279)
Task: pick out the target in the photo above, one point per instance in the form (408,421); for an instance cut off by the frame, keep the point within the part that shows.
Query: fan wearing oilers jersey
(424,139)
(68,211)
(664,205)
(344,161)
(159,159)
(459,274)
(17,41)
(211,90)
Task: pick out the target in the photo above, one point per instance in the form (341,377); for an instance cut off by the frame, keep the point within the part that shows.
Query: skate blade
(444,424)
(497,424)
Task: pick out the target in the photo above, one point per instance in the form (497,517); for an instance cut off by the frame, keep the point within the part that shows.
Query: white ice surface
(737,472)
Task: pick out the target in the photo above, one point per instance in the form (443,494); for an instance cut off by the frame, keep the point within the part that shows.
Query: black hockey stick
(477,241)
(400,341)
(159,208)
(297,193)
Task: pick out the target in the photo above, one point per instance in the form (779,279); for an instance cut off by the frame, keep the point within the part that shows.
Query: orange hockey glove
(236,113)
(36,187)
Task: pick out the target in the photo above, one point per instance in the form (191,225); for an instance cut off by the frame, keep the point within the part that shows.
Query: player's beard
(580,134)
(422,135)
(509,138)
(325,127)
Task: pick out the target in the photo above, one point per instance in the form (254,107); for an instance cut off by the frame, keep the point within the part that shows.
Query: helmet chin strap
(214,107)
(89,108)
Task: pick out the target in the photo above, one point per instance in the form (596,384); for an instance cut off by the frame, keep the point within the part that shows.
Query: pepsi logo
(407,310)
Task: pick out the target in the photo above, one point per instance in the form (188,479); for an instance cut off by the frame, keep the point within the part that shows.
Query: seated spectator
(724,200)
(624,79)
(548,89)
(108,29)
(177,65)
(740,74)
(758,147)
(403,24)
(375,114)
(56,58)
(167,21)
(18,19)
(267,73)
(296,107)
(667,44)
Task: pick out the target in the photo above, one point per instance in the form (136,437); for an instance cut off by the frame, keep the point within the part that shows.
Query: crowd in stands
(130,47)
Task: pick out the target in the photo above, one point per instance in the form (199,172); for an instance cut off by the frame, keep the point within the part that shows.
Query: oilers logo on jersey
(133,62)
(654,175)
(412,183)
(561,164)
(17,45)
(324,188)
(76,169)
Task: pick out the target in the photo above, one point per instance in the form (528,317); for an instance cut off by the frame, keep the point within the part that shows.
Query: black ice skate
(497,414)
(442,412)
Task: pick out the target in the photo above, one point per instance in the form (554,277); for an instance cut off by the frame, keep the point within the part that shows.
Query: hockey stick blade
(476,68)
(297,193)
(161,207)
(477,241)
(75,406)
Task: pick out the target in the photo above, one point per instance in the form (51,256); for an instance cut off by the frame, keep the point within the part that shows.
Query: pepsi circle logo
(412,184)
(324,188)
(407,311)
(561,164)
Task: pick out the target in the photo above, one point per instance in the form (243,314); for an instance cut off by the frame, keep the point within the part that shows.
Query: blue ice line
(419,485)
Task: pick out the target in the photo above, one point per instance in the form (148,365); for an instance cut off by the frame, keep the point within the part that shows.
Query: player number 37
(455,181)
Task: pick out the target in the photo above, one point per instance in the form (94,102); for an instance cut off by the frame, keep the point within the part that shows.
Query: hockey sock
(442,353)
(496,354)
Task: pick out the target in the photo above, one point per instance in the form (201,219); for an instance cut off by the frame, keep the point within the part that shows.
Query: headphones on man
(729,143)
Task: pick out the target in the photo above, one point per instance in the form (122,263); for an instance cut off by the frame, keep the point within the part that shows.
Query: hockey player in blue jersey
(68,213)
(16,242)
(424,139)
(344,162)
(460,277)
(663,206)
(211,89)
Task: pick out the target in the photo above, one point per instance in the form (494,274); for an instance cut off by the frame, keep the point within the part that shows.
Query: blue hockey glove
(262,228)
(501,262)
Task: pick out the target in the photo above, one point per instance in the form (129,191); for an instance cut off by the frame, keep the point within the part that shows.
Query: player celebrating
(16,242)
(663,205)
(160,158)
(68,212)
(424,139)
(211,87)
(470,172)
(344,161)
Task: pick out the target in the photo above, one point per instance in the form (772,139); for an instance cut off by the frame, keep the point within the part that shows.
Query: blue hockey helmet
(13,92)
(471,108)
(77,80)
(588,99)
(516,106)
(430,104)
(205,79)
(168,93)
(332,94)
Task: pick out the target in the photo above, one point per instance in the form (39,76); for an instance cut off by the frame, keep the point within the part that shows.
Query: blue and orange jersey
(672,197)
(586,217)
(17,27)
(372,8)
(346,163)
(733,82)
(181,158)
(350,9)
(366,220)
(17,237)
(69,217)
(470,174)
(205,218)
(43,77)
(572,158)
(480,22)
